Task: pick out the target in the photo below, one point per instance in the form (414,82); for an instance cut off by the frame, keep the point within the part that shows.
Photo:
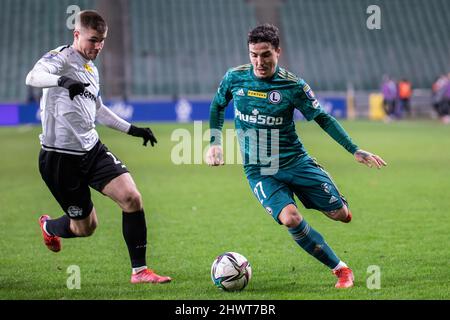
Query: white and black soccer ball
(231,271)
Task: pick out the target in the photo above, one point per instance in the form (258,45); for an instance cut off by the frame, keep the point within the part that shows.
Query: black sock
(134,231)
(60,227)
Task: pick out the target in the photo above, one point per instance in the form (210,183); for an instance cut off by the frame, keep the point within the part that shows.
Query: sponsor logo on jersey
(88,95)
(74,211)
(275,97)
(309,93)
(240,92)
(257,118)
(257,94)
(88,68)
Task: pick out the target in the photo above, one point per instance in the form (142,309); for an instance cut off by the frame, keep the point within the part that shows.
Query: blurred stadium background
(163,59)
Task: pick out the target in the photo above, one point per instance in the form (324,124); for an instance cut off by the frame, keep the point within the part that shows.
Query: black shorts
(69,177)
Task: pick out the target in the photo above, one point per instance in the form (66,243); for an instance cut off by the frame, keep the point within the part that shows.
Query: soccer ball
(231,271)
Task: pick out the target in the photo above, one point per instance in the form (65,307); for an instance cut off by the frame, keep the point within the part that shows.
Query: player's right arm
(214,156)
(46,74)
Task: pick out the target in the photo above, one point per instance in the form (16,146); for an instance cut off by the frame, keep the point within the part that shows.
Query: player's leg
(61,175)
(276,197)
(84,227)
(113,180)
(387,109)
(408,107)
(445,111)
(315,189)
(306,237)
(65,227)
(313,243)
(123,191)
(392,109)
(321,193)
(343,214)
(394,106)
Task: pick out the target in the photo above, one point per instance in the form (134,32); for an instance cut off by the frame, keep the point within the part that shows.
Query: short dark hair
(265,33)
(92,20)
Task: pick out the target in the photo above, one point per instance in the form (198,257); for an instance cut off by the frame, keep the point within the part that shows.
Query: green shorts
(306,179)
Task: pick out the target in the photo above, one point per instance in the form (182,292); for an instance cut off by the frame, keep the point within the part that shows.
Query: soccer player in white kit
(72,157)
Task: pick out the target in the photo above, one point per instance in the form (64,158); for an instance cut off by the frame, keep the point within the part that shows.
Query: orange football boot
(148,276)
(345,277)
(53,243)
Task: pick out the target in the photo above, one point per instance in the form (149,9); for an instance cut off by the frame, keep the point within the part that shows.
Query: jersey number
(259,193)
(115,159)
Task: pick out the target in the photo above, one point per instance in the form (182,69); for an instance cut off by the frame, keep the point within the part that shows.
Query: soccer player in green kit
(276,164)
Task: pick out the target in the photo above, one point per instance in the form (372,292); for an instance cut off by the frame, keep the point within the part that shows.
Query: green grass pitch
(401,222)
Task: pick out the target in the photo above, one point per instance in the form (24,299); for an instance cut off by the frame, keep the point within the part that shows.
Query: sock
(313,243)
(139,269)
(59,227)
(134,231)
(341,264)
(45,228)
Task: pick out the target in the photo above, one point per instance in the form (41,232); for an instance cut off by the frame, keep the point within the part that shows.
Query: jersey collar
(80,55)
(264,79)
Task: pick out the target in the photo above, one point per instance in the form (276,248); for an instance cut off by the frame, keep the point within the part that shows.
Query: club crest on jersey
(315,104)
(309,93)
(50,54)
(275,97)
(257,94)
(88,68)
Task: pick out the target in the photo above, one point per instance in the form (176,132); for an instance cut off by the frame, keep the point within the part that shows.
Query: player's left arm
(108,118)
(369,159)
(331,126)
(307,103)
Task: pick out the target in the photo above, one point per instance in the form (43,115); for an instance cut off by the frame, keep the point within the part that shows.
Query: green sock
(313,243)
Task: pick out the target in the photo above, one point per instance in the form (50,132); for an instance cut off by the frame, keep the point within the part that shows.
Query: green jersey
(264,116)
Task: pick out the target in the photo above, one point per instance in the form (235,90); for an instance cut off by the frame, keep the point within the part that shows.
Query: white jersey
(68,126)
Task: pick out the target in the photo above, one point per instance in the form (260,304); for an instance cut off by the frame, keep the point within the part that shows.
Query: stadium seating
(329,45)
(29,29)
(184,47)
